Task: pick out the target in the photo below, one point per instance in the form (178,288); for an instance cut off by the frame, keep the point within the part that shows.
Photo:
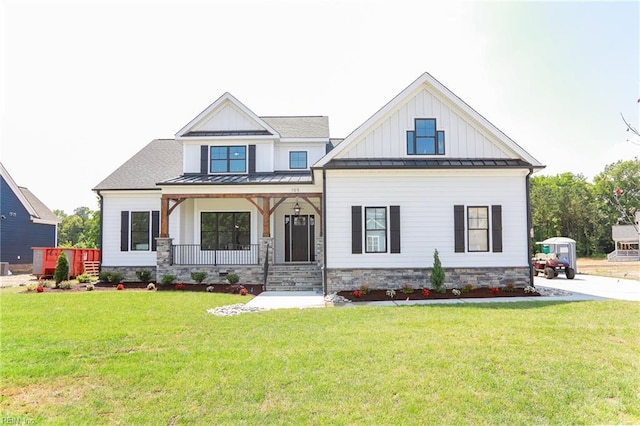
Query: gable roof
(38,211)
(300,126)
(159,160)
(427,81)
(224,100)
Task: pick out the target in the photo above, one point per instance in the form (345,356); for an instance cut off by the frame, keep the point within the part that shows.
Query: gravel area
(237,309)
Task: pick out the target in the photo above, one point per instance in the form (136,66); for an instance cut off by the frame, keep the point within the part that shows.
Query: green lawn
(159,358)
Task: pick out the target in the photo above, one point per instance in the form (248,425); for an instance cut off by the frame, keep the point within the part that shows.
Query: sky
(84,85)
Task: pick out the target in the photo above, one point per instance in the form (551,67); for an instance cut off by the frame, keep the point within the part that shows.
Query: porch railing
(194,254)
(624,255)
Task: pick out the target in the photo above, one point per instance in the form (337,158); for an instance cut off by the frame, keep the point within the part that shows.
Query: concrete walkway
(287,299)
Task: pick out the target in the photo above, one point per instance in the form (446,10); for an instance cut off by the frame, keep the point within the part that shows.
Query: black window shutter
(252,158)
(394,223)
(496,228)
(356,229)
(155,229)
(204,159)
(124,231)
(458,225)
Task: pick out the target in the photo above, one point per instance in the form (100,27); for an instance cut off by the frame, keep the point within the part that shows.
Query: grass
(159,358)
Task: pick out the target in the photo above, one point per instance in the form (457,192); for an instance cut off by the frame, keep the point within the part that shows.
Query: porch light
(296,209)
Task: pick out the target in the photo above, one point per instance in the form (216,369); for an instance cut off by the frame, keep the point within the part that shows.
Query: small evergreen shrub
(437,274)
(65,285)
(84,278)
(168,279)
(144,275)
(233,278)
(61,272)
(111,276)
(198,276)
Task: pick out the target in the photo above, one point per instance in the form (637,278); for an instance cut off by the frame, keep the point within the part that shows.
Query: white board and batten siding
(229,117)
(426,200)
(463,137)
(314,150)
(112,207)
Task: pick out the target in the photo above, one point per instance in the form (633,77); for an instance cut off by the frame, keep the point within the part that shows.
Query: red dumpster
(46,258)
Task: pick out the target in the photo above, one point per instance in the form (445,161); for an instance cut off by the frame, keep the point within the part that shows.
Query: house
(627,241)
(277,201)
(25,222)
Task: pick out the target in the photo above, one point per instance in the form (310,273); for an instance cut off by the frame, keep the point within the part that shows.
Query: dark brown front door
(299,238)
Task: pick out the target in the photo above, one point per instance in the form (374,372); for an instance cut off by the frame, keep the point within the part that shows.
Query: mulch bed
(380,295)
(253,289)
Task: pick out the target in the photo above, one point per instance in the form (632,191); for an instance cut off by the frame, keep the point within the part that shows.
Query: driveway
(610,288)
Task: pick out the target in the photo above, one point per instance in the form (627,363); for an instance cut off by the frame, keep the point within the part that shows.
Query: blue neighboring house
(25,222)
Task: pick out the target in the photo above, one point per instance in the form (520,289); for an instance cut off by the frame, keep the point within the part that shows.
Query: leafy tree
(618,191)
(81,229)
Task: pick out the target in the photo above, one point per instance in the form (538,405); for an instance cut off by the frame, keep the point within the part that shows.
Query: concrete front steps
(294,277)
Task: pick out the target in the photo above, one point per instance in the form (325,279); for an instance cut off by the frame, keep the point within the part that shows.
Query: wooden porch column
(266,217)
(164,218)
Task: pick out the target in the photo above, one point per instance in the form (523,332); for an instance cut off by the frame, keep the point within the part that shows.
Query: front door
(299,236)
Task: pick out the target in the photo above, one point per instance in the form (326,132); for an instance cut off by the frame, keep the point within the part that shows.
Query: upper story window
(425,139)
(297,159)
(228,159)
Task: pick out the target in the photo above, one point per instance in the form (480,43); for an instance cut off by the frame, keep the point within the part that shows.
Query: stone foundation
(130,271)
(252,274)
(351,279)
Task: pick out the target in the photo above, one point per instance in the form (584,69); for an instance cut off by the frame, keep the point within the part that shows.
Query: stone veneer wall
(130,271)
(248,274)
(351,279)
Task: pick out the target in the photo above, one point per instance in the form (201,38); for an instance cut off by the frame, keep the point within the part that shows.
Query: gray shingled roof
(300,127)
(160,160)
(42,211)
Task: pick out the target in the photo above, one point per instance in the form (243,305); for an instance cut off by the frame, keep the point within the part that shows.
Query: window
(225,230)
(478,228)
(297,159)
(140,231)
(425,139)
(228,159)
(376,229)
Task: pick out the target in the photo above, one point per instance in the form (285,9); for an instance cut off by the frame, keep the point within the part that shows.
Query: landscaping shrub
(144,275)
(111,276)
(437,274)
(84,278)
(199,276)
(233,278)
(61,272)
(168,279)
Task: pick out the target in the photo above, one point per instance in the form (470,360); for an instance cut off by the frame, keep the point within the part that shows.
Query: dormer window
(425,139)
(228,159)
(297,159)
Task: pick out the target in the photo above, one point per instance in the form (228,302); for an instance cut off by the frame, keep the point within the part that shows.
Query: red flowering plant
(425,292)
(40,289)
(180,286)
(494,290)
(243,291)
(357,293)
(510,287)
(120,287)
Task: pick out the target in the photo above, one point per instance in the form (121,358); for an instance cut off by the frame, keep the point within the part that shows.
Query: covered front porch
(242,233)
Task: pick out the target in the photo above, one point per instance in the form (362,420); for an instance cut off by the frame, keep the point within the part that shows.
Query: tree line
(568,205)
(562,205)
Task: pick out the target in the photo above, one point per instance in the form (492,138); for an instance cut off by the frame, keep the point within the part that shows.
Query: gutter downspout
(101,235)
(324,230)
(529,225)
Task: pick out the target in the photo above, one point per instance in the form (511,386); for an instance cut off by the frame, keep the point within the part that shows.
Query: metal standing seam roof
(252,179)
(435,163)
